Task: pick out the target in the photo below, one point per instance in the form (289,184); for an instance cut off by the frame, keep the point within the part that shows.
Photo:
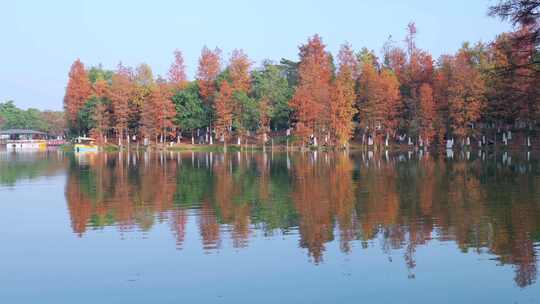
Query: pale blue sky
(40,39)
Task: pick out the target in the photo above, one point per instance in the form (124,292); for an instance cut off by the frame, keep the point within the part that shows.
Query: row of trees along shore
(12,117)
(475,96)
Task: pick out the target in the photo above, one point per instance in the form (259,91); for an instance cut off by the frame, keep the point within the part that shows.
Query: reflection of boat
(85,144)
(56,142)
(27,145)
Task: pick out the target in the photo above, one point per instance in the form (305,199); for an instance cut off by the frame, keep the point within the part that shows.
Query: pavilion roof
(21,132)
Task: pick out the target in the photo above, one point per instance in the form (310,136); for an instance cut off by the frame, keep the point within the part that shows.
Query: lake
(254,227)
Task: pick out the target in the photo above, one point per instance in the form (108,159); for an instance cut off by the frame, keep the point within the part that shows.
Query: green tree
(270,82)
(290,69)
(15,118)
(11,115)
(190,112)
(98,72)
(246,115)
(33,120)
(85,117)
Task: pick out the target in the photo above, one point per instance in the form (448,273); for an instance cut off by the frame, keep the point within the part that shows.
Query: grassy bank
(295,145)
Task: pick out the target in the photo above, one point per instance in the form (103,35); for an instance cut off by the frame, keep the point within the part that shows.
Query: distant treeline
(11,117)
(404,93)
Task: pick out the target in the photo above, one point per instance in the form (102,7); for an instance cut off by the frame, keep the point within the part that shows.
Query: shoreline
(295,148)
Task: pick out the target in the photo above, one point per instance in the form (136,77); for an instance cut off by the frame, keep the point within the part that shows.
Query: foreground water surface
(269,228)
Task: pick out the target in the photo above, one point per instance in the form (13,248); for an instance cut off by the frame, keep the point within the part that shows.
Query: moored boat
(23,140)
(85,145)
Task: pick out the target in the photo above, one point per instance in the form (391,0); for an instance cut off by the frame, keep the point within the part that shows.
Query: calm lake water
(269,228)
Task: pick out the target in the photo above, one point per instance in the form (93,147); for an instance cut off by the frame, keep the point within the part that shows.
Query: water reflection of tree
(28,166)
(111,190)
(342,197)
(311,198)
(481,205)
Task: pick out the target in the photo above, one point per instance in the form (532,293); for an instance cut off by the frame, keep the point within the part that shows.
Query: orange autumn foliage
(427,113)
(165,109)
(209,68)
(466,96)
(239,69)
(342,106)
(120,94)
(158,112)
(177,71)
(311,100)
(378,99)
(224,109)
(100,88)
(390,98)
(77,91)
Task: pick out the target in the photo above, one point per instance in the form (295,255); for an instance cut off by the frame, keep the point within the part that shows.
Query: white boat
(24,140)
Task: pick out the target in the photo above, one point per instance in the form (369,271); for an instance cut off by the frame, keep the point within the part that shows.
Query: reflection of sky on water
(253,227)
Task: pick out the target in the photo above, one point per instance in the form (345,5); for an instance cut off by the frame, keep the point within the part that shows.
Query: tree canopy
(12,117)
(321,99)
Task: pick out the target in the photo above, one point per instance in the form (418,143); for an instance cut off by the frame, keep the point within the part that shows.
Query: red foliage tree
(413,68)
(209,68)
(441,93)
(239,71)
(177,71)
(149,126)
(512,85)
(100,88)
(369,106)
(466,96)
(311,100)
(165,109)
(342,106)
(224,110)
(120,94)
(77,91)
(390,99)
(158,112)
(378,100)
(427,113)
(396,59)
